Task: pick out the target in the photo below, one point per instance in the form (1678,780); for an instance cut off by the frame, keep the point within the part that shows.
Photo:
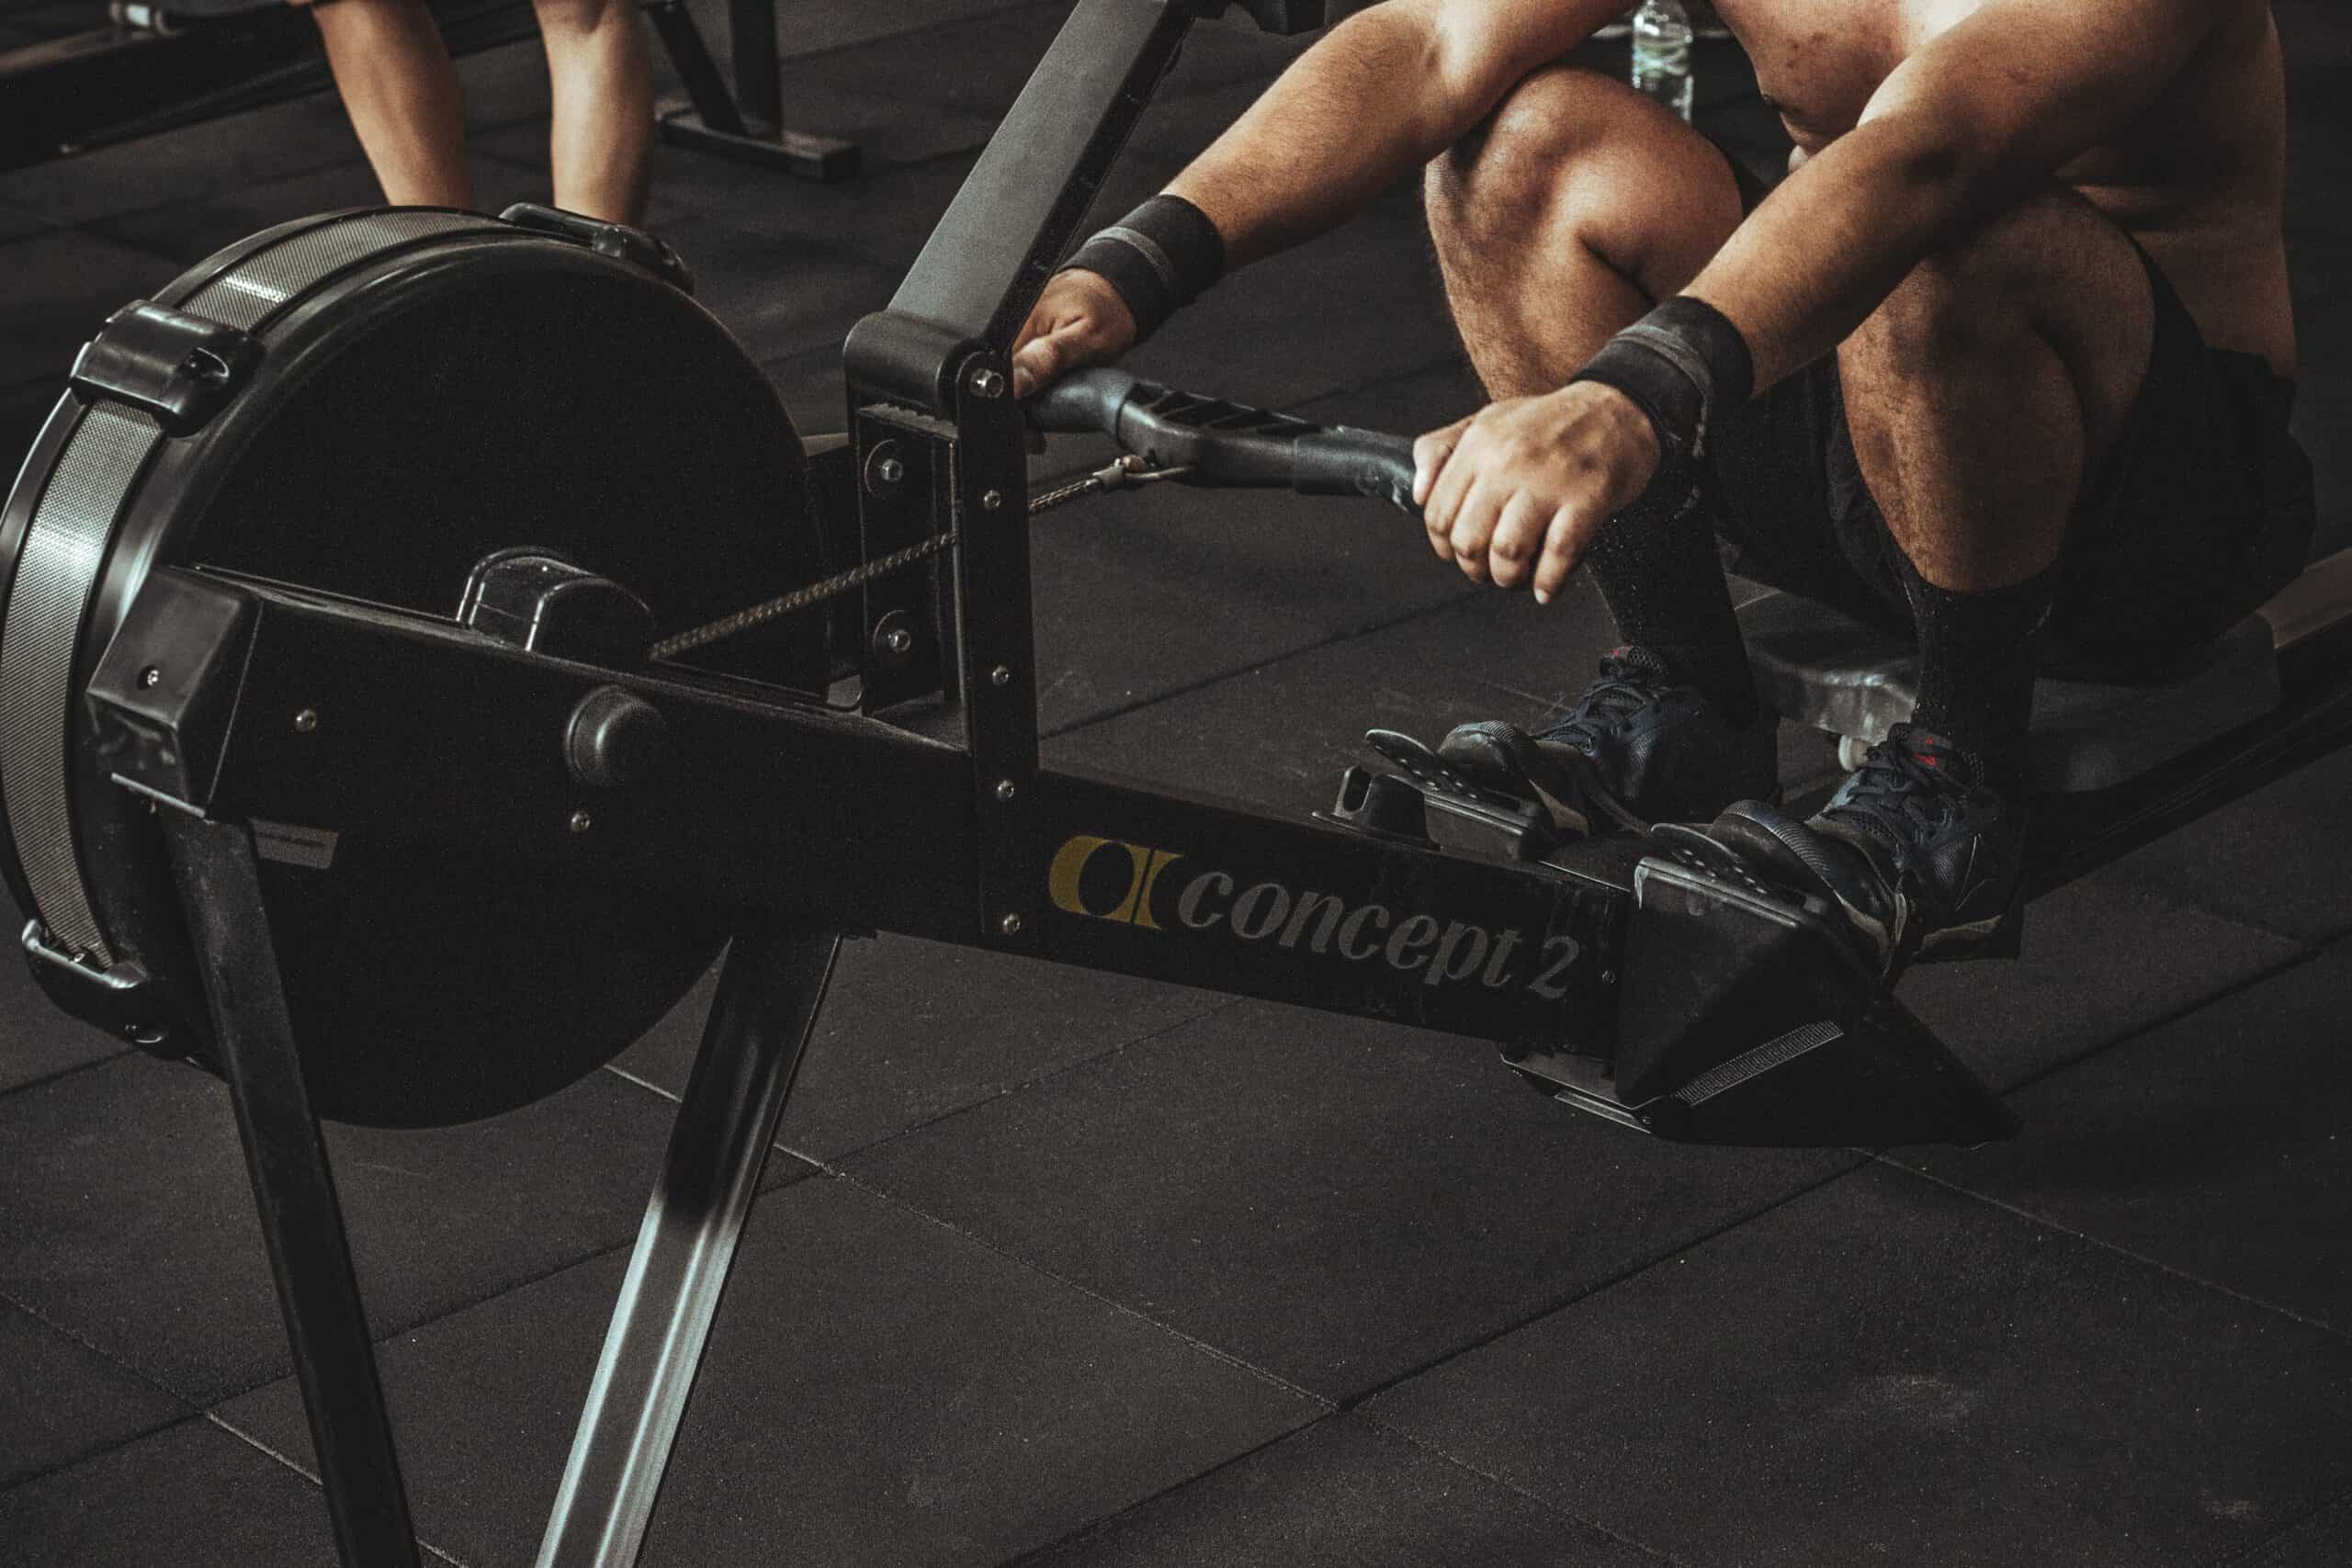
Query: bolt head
(986,384)
(892,470)
(151,676)
(1006,789)
(1010,925)
(1001,676)
(898,639)
(992,501)
(306,721)
(581,821)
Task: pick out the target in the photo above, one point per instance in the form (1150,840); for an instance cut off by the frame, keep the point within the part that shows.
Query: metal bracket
(178,368)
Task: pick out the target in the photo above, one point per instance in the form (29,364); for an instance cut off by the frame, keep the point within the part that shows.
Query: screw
(151,676)
(306,721)
(992,500)
(1010,925)
(885,470)
(1609,976)
(898,639)
(890,470)
(1001,676)
(1006,789)
(986,383)
(581,821)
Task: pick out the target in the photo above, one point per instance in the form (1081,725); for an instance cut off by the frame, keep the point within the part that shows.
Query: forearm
(1824,252)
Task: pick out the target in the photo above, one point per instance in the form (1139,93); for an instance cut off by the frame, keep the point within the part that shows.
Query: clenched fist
(1079,321)
(1516,492)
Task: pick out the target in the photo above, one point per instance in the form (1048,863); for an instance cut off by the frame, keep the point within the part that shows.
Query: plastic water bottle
(1662,54)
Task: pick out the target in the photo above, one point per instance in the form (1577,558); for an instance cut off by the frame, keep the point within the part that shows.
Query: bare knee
(1571,150)
(2052,270)
(572,17)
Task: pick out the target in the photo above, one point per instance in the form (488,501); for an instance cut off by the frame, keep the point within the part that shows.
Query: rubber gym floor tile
(1342,1492)
(1337,1202)
(978,66)
(60,1401)
(125,1216)
(2101,962)
(778,297)
(191,1495)
(914,1030)
(879,1391)
(62,286)
(2213,1146)
(2324,1540)
(884,216)
(15,224)
(1361,304)
(191,229)
(1888,1372)
(1279,734)
(2263,862)
(36,1041)
(309,132)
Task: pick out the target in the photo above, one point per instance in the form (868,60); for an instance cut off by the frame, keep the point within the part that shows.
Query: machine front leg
(769,992)
(301,1221)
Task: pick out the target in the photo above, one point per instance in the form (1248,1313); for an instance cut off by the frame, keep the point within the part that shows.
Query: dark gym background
(1076,1269)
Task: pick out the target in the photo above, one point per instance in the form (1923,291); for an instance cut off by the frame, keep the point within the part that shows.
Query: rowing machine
(379,730)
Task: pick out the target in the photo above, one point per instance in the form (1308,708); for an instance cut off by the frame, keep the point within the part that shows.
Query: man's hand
(1519,489)
(1079,321)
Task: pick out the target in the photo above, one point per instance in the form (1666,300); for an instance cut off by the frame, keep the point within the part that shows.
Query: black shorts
(2203,512)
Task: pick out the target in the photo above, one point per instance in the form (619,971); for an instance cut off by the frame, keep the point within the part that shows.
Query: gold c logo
(1135,907)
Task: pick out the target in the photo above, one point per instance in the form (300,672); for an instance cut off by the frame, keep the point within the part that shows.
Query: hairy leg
(1579,204)
(400,91)
(1992,383)
(600,132)
(1981,396)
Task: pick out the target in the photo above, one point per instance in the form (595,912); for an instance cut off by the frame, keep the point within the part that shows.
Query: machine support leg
(309,1256)
(747,121)
(768,995)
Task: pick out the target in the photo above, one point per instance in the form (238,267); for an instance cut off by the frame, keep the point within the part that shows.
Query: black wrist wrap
(1162,255)
(1687,368)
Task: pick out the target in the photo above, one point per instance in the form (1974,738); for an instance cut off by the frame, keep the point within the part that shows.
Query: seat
(1819,666)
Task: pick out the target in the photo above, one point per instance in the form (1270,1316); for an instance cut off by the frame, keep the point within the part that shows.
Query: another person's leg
(601,131)
(400,91)
(1573,211)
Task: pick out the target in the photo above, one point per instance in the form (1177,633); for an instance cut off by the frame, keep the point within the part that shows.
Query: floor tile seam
(2252,1556)
(99,225)
(253,1441)
(2153,885)
(381,1338)
(2303,955)
(12,1487)
(1073,1064)
(68,1071)
(1547,1505)
(817,1164)
(1362,1399)
(1273,661)
(2044,1222)
(1072,1538)
(1031,1266)
(191,1405)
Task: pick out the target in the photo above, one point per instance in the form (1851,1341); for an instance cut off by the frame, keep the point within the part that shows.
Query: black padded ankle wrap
(1686,367)
(1159,258)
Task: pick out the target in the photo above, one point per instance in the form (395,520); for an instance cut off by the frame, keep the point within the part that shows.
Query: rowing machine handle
(1229,445)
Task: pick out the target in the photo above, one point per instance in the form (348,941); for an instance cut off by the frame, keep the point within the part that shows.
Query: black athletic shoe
(1924,860)
(1640,746)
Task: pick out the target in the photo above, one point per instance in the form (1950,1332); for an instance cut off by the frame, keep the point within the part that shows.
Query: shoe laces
(1911,783)
(1631,680)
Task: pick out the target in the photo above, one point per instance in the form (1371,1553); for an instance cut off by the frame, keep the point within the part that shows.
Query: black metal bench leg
(309,1256)
(768,995)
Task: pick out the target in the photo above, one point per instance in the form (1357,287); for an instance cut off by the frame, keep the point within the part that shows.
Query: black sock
(1976,666)
(1665,585)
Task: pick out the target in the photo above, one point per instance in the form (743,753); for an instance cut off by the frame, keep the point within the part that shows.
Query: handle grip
(1228,445)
